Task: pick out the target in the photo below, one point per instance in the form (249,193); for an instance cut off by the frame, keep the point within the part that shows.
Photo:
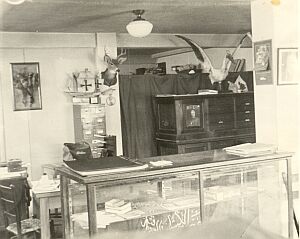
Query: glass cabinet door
(253,196)
(151,206)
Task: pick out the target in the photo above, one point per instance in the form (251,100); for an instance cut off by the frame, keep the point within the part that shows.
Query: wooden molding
(171,41)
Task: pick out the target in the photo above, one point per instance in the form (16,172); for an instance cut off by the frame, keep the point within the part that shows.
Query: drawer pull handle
(247,120)
(247,112)
(247,103)
(221,122)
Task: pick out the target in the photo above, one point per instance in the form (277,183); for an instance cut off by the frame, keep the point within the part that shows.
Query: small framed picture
(193,116)
(288,72)
(26,86)
(263,62)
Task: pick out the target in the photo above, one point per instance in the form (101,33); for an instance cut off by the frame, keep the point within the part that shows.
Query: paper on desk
(46,186)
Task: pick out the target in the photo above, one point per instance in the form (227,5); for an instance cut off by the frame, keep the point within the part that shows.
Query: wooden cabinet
(189,123)
(89,126)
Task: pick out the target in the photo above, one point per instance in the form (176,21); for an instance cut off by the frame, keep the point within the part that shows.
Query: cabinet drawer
(220,105)
(221,121)
(244,103)
(244,114)
(99,120)
(246,123)
(99,131)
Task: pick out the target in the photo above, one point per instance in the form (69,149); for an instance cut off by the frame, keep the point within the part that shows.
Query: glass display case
(211,190)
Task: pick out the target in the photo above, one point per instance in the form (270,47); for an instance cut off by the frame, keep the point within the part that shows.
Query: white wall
(216,56)
(37,136)
(277,106)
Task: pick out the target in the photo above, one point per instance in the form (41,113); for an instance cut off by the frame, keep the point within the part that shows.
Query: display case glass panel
(251,196)
(248,194)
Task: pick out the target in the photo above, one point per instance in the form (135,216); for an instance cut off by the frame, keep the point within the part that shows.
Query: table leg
(44,218)
(92,209)
(201,195)
(65,209)
(41,211)
(290,198)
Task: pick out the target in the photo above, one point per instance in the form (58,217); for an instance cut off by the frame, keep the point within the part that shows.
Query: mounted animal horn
(110,74)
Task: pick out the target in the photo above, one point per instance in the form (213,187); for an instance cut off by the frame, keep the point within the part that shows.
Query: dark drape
(138,107)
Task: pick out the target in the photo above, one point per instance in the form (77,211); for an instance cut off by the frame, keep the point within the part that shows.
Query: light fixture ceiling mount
(139,27)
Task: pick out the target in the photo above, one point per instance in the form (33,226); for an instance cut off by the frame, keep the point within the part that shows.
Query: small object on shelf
(186,69)
(241,84)
(86,81)
(15,165)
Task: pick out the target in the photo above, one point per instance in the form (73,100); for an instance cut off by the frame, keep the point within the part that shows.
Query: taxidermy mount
(215,75)
(110,74)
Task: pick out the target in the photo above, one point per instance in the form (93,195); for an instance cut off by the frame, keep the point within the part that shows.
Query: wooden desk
(42,202)
(198,162)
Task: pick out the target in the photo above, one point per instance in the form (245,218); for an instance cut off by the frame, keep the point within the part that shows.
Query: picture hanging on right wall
(263,62)
(287,66)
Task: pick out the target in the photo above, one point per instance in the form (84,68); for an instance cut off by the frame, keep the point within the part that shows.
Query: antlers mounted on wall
(110,74)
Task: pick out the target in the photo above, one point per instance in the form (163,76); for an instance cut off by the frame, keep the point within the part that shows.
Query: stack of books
(237,66)
(251,149)
(117,206)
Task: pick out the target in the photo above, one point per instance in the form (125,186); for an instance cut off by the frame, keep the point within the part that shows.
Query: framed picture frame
(26,86)
(263,62)
(287,66)
(192,116)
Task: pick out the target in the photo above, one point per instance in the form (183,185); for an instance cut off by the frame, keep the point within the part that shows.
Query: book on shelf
(117,206)
(115,202)
(126,207)
(251,149)
(104,165)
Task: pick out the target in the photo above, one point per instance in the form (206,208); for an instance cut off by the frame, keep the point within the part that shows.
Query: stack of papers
(117,206)
(161,163)
(251,149)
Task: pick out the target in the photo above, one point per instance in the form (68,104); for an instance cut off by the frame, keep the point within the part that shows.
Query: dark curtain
(138,108)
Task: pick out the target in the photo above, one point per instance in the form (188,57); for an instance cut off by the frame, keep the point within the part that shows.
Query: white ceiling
(87,16)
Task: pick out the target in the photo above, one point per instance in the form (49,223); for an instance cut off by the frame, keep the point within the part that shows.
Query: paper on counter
(161,163)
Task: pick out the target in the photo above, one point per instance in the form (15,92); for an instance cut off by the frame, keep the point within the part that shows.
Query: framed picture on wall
(263,62)
(26,86)
(287,66)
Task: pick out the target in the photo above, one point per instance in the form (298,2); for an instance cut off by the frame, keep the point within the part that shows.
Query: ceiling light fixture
(139,27)
(275,2)
(15,2)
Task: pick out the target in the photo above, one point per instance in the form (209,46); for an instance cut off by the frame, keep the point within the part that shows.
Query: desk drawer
(221,121)
(244,103)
